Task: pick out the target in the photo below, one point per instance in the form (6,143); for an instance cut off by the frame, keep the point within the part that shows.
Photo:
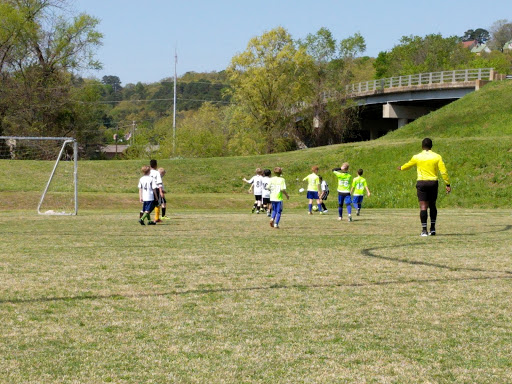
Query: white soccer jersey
(265,180)
(147,184)
(257,182)
(324,186)
(156,176)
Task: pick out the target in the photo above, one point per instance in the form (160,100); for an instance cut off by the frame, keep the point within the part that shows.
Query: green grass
(216,296)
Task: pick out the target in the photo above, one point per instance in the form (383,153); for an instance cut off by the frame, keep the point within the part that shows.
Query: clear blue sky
(140,36)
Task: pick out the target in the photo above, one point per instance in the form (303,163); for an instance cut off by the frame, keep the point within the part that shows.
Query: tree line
(269,99)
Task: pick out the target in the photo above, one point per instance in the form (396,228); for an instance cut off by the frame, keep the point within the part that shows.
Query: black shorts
(157,198)
(266,200)
(257,197)
(427,190)
(324,195)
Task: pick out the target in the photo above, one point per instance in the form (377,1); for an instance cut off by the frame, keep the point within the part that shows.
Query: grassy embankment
(473,134)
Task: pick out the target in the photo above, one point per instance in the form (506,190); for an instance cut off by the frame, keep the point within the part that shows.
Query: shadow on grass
(249,289)
(368,252)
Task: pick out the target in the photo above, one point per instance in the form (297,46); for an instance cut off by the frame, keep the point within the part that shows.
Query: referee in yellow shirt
(428,165)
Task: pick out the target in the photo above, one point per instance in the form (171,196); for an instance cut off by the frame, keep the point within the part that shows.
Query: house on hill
(470,44)
(508,46)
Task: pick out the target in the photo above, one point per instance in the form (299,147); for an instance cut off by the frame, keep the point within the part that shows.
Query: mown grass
(215,296)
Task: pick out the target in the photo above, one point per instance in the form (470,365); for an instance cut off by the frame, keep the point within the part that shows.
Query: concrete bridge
(388,104)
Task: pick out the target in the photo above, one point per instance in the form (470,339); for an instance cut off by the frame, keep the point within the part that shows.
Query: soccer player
(357,191)
(314,189)
(159,191)
(428,165)
(277,187)
(265,194)
(344,184)
(325,192)
(163,201)
(256,187)
(147,190)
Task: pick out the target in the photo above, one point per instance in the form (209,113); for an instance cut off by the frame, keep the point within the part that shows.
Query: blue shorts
(277,206)
(344,198)
(357,199)
(148,206)
(312,195)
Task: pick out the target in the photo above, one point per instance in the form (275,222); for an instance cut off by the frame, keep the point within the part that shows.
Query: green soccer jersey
(313,182)
(359,184)
(344,181)
(276,186)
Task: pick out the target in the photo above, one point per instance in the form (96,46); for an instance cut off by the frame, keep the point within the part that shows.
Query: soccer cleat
(166,218)
(141,222)
(432,232)
(321,212)
(310,213)
(340,218)
(151,223)
(424,233)
(276,226)
(158,221)
(269,214)
(258,211)
(358,212)
(253,209)
(325,210)
(271,223)
(349,218)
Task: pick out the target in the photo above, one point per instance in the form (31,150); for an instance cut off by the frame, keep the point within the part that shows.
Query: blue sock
(310,207)
(319,207)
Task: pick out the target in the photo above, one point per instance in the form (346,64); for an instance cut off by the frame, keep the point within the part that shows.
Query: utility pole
(174,107)
(133,132)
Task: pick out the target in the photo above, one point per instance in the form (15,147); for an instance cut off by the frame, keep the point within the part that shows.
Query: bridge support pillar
(402,122)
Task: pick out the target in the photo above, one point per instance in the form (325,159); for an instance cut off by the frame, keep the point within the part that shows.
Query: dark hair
(320,177)
(426,143)
(360,171)
(267,172)
(152,163)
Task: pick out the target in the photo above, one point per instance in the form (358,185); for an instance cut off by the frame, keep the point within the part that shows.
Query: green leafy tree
(40,48)
(481,35)
(268,80)
(417,54)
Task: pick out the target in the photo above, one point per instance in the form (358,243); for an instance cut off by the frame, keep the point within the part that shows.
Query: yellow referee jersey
(428,165)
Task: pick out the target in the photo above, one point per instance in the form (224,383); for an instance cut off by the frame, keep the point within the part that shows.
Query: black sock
(324,207)
(163,211)
(423,218)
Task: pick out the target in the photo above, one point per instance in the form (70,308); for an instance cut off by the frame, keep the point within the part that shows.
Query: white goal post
(24,147)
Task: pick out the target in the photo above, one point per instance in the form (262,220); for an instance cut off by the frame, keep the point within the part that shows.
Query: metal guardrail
(444,77)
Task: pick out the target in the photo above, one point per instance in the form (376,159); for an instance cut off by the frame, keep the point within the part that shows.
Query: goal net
(47,165)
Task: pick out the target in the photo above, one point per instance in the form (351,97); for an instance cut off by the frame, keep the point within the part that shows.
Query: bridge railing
(459,75)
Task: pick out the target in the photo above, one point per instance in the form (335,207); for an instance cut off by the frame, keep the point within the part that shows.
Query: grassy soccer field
(214,296)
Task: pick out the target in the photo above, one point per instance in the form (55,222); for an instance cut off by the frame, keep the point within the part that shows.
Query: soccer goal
(56,162)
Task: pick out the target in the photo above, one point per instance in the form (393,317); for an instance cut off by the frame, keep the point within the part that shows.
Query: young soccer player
(266,192)
(163,201)
(325,193)
(277,187)
(314,190)
(344,183)
(159,192)
(428,165)
(147,190)
(358,186)
(256,187)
